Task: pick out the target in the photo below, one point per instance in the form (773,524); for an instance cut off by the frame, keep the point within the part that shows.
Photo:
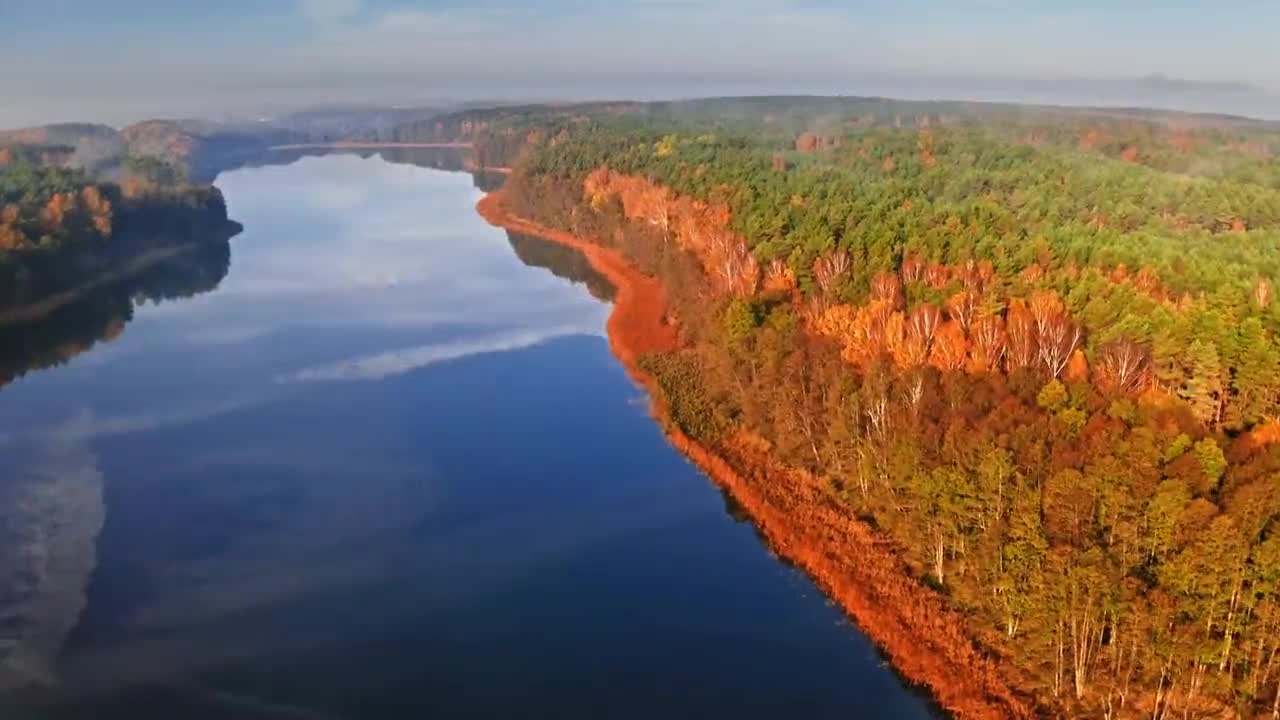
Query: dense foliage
(60,227)
(1037,349)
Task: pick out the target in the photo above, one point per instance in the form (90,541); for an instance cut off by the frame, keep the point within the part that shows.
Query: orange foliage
(1057,336)
(927,157)
(962,307)
(950,347)
(1124,367)
(778,277)
(11,236)
(937,275)
(925,321)
(887,287)
(1022,337)
(828,269)
(98,207)
(698,227)
(861,332)
(906,348)
(1129,154)
(55,211)
(912,267)
(990,342)
(1091,140)
(808,142)
(1077,368)
(1182,142)
(1267,433)
(1148,282)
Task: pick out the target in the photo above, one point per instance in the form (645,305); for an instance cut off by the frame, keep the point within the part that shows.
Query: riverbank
(927,643)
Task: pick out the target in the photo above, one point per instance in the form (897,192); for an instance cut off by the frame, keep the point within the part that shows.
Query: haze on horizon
(118,62)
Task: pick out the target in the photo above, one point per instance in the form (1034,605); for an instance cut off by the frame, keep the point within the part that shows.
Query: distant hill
(327,124)
(197,148)
(88,147)
(202,148)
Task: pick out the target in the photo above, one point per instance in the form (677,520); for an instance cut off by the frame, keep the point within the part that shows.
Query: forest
(1033,348)
(61,227)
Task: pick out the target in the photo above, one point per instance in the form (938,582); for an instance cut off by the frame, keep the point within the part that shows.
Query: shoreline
(925,642)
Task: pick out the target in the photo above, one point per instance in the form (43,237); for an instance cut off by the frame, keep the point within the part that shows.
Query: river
(374,459)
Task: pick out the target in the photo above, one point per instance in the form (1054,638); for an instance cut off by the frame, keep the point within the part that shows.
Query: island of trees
(1033,351)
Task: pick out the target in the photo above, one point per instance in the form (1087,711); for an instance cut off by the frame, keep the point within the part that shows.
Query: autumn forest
(1034,350)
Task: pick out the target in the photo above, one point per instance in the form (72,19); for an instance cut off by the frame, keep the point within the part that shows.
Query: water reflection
(102,313)
(563,262)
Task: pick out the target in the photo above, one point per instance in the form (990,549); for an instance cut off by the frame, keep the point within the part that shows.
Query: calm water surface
(386,468)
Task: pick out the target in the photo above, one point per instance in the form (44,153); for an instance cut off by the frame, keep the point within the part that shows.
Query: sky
(123,60)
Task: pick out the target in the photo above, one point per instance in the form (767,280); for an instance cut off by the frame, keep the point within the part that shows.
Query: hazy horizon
(80,60)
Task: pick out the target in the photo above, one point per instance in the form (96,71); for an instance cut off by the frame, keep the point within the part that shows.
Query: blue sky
(124,59)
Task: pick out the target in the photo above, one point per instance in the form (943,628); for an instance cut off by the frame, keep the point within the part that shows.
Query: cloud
(397,362)
(329,11)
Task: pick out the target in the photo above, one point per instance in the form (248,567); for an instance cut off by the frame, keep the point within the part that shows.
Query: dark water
(379,464)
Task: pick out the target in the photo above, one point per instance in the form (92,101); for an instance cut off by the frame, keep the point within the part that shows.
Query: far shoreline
(366,146)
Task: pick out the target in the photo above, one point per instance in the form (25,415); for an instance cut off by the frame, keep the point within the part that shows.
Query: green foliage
(1052,396)
(741,318)
(689,406)
(156,170)
(1073,419)
(1177,447)
(1212,461)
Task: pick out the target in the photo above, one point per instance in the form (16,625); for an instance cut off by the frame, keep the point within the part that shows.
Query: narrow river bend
(380,463)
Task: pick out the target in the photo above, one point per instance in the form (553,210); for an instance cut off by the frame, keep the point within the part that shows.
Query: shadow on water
(563,262)
(101,314)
